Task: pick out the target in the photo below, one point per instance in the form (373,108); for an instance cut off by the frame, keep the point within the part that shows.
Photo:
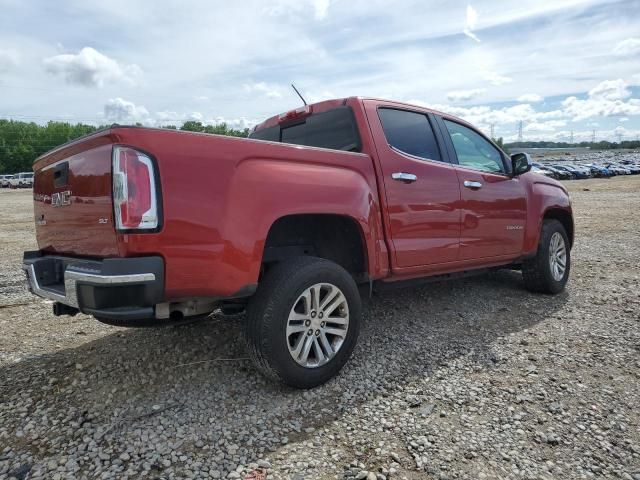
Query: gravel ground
(467,379)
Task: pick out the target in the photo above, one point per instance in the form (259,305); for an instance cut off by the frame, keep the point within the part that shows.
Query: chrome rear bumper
(71,278)
(112,288)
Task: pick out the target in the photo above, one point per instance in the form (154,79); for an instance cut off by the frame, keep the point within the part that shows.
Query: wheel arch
(565,218)
(336,237)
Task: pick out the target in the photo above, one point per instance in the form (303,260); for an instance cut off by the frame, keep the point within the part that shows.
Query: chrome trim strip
(108,279)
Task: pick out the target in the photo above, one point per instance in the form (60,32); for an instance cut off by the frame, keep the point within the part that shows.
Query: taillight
(134,190)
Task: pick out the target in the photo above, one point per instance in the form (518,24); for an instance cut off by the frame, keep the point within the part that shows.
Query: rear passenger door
(421,187)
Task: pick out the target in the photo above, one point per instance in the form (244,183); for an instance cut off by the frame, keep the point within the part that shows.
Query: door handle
(404,177)
(472,185)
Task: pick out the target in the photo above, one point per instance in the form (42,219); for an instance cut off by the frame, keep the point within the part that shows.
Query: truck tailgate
(73,199)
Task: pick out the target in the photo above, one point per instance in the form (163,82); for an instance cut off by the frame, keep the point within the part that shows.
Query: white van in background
(22,180)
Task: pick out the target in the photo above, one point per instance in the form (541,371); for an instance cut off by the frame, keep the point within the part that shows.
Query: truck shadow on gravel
(163,393)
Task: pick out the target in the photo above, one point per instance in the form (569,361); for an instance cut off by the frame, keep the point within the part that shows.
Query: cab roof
(338,102)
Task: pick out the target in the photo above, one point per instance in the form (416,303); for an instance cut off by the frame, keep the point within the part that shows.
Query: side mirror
(520,163)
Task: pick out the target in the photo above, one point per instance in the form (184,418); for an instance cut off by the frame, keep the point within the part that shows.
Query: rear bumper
(114,289)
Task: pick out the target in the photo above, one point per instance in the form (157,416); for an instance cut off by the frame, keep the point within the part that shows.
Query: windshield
(335,129)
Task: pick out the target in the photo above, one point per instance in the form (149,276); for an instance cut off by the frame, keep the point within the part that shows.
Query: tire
(538,272)
(270,320)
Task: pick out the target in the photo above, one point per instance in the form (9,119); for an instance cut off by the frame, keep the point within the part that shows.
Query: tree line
(22,142)
(602,145)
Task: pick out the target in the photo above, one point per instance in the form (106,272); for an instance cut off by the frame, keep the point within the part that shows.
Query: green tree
(22,142)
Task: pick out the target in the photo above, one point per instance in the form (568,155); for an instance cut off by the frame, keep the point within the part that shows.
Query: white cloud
(122,111)
(496,79)
(608,98)
(91,68)
(549,126)
(628,47)
(263,89)
(471,20)
(283,42)
(530,98)
(314,97)
(583,109)
(8,59)
(464,95)
(321,8)
(164,118)
(238,123)
(611,90)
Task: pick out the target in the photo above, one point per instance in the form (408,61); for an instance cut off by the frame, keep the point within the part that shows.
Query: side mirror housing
(520,163)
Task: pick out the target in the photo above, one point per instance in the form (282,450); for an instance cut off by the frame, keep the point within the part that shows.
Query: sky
(563,68)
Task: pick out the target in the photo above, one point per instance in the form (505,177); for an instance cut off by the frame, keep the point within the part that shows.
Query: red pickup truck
(140,226)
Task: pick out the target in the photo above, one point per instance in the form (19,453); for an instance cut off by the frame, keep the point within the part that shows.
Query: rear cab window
(335,129)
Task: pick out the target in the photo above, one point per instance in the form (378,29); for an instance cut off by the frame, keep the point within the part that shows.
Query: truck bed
(218,197)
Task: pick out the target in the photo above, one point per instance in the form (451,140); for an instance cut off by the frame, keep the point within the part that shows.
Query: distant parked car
(559,174)
(4,181)
(575,172)
(22,180)
(539,170)
(543,171)
(561,168)
(618,169)
(599,171)
(635,169)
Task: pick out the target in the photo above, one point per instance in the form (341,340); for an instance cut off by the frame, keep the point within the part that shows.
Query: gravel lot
(467,379)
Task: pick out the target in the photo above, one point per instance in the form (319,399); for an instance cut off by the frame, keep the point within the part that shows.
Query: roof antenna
(301,97)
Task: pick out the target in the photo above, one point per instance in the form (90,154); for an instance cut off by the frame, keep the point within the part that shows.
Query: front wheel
(303,322)
(548,271)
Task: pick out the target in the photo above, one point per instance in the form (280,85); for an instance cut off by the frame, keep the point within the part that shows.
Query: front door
(494,205)
(421,187)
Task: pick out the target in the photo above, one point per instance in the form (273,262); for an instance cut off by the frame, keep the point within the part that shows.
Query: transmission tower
(619,135)
(571,137)
(593,136)
(492,126)
(520,131)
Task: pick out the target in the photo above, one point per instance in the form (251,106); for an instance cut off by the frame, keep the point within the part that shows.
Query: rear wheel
(548,271)
(303,322)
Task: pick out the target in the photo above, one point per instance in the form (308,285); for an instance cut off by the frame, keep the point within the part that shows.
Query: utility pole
(593,136)
(520,131)
(492,136)
(571,137)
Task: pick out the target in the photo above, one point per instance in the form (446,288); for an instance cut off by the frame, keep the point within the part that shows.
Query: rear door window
(409,132)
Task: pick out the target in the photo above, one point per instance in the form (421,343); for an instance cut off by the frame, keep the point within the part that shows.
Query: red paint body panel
(493,217)
(75,228)
(220,196)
